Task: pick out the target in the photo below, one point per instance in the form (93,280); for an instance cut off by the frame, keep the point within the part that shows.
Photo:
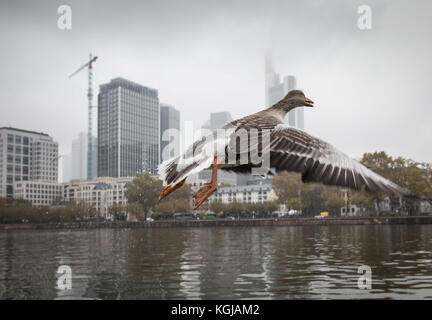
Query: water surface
(299,262)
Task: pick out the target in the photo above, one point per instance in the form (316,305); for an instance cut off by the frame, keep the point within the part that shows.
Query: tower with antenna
(89,66)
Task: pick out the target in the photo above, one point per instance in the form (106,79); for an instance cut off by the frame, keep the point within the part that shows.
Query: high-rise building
(128,129)
(169,132)
(217,120)
(275,90)
(24,156)
(66,167)
(75,163)
(79,156)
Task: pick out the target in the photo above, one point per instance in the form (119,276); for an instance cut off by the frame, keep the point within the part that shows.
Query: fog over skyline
(371,88)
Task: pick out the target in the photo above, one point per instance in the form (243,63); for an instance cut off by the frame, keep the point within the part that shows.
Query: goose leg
(170,189)
(207,190)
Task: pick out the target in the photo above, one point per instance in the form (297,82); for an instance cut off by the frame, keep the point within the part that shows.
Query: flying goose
(290,149)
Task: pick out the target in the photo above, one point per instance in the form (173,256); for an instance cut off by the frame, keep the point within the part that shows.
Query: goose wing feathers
(295,150)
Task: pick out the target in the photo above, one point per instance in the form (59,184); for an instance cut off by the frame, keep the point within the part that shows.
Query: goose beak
(308,102)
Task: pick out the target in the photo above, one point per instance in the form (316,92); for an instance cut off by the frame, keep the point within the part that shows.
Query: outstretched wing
(295,150)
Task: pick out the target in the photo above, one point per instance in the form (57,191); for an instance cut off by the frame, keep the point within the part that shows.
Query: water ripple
(219,263)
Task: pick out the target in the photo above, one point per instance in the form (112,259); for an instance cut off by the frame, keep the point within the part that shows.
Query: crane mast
(89,66)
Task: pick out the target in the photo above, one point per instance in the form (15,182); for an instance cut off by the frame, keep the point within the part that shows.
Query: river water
(302,262)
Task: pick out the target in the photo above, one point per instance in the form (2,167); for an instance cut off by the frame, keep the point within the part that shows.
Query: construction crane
(89,66)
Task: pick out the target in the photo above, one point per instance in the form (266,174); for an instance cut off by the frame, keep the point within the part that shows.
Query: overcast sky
(372,88)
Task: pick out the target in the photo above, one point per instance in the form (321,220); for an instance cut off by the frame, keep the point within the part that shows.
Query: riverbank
(223,223)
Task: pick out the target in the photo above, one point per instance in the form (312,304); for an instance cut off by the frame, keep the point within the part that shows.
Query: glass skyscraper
(217,120)
(75,163)
(275,90)
(128,129)
(170,140)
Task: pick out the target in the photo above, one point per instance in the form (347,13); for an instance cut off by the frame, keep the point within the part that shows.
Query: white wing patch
(198,157)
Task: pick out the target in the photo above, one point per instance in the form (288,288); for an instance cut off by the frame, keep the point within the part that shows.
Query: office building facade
(275,90)
(66,161)
(217,120)
(100,193)
(244,194)
(79,156)
(24,156)
(169,132)
(38,193)
(128,129)
(75,163)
